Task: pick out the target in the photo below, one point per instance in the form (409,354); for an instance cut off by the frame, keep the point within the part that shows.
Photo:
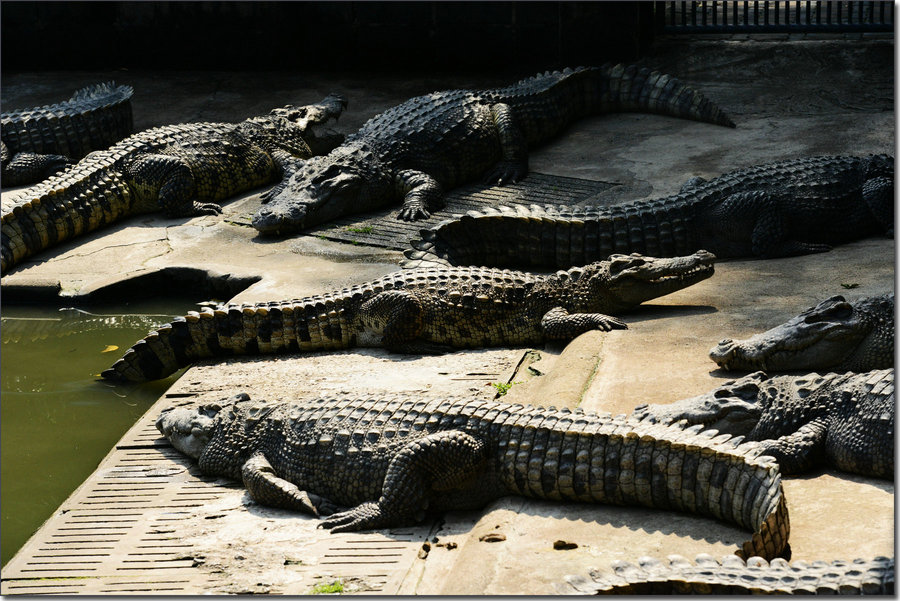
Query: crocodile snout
(280,220)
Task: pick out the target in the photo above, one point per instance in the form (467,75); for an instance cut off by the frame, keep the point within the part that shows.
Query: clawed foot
(362,517)
(206,208)
(606,323)
(506,173)
(413,213)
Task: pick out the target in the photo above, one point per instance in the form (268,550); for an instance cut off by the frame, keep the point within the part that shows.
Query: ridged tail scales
(94,118)
(546,103)
(583,457)
(731,575)
(81,199)
(319,324)
(555,237)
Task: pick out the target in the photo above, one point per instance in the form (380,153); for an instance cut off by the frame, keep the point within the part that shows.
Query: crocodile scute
(183,170)
(734,576)
(39,142)
(427,310)
(415,151)
(780,209)
(390,459)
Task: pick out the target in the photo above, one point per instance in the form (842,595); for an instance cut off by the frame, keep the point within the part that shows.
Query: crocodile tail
(315,324)
(619,461)
(555,237)
(732,575)
(633,88)
(83,198)
(94,118)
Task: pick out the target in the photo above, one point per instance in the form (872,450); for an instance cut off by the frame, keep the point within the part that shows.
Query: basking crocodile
(835,335)
(774,210)
(844,420)
(184,170)
(391,459)
(418,149)
(426,310)
(735,576)
(38,142)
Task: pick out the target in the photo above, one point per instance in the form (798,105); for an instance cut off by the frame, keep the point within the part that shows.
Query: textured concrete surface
(788,99)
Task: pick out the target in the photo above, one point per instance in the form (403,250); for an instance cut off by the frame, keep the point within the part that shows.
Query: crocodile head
(189,429)
(834,335)
(733,408)
(625,281)
(323,188)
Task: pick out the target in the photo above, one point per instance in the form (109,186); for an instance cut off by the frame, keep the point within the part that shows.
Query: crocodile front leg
(559,324)
(288,164)
(443,461)
(422,194)
(175,184)
(514,164)
(800,451)
(266,488)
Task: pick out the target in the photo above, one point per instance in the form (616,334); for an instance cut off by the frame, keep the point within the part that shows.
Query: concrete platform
(789,99)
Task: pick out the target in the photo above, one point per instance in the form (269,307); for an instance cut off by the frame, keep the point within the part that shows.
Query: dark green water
(57,419)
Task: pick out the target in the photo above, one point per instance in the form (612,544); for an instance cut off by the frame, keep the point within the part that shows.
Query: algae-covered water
(58,420)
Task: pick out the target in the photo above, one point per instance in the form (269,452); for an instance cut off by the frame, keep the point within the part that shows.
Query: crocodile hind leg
(514,164)
(173,182)
(770,232)
(800,451)
(423,468)
(28,167)
(399,316)
(559,324)
(878,194)
(266,488)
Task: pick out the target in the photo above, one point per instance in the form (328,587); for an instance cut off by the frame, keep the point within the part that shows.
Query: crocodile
(390,459)
(184,170)
(835,335)
(843,420)
(734,576)
(416,150)
(415,311)
(773,210)
(39,142)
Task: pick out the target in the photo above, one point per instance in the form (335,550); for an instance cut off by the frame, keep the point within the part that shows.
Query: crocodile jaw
(634,278)
(819,338)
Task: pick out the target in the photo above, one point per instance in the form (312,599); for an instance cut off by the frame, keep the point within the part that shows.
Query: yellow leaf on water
(110,348)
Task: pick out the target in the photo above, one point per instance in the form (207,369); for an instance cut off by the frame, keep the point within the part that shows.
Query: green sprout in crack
(334,588)
(365,229)
(503,387)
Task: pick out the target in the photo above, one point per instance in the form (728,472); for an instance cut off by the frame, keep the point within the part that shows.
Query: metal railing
(774,17)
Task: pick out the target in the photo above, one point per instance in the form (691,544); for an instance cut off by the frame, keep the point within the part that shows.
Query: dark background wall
(347,35)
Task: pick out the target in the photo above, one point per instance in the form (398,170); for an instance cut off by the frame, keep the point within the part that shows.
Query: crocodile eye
(838,311)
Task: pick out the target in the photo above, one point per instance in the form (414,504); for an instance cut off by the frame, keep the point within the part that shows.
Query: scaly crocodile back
(94,118)
(316,323)
(735,576)
(827,188)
